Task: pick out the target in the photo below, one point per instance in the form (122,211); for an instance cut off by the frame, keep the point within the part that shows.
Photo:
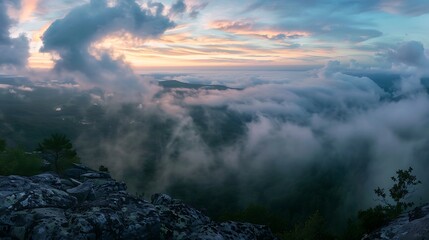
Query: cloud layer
(283,136)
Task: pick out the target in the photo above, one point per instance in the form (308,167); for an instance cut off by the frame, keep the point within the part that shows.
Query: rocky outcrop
(408,226)
(88,204)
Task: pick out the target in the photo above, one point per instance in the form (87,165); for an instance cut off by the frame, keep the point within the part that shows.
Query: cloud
(5,23)
(327,132)
(282,131)
(332,20)
(14,51)
(232,25)
(178,7)
(248,27)
(403,7)
(71,38)
(331,27)
(315,26)
(195,9)
(28,9)
(409,53)
(190,7)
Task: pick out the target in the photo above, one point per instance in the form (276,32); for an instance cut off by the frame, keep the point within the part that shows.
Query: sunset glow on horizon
(241,33)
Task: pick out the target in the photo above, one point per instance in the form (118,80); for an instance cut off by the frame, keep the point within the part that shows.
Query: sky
(222,33)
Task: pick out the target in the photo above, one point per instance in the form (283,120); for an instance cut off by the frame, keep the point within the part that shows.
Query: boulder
(82,191)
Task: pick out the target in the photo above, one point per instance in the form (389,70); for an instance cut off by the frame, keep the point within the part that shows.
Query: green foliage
(313,229)
(102,168)
(401,189)
(2,145)
(373,218)
(353,231)
(17,162)
(58,150)
(258,215)
(378,216)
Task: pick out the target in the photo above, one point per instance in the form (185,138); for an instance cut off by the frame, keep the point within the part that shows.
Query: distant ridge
(178,84)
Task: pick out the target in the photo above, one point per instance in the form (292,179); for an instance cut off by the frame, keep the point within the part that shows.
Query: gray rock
(47,207)
(74,181)
(408,226)
(79,171)
(161,199)
(46,178)
(95,175)
(82,191)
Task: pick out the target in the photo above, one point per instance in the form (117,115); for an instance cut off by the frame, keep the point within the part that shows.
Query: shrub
(17,162)
(2,145)
(256,214)
(312,229)
(102,168)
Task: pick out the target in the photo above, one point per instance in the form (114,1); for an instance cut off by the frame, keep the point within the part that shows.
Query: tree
(393,203)
(59,151)
(400,191)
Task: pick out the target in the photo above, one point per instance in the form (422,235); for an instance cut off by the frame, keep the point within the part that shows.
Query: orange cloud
(246,27)
(37,36)
(182,49)
(40,61)
(231,25)
(27,10)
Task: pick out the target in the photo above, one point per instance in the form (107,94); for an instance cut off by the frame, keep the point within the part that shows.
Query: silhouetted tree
(400,191)
(393,203)
(59,150)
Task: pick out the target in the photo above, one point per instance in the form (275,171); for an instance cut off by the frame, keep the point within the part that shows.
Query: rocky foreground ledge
(88,204)
(413,225)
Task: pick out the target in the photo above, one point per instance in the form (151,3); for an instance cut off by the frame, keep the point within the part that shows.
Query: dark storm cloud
(14,51)
(72,36)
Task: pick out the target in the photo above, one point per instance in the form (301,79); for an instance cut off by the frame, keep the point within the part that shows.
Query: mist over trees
(294,148)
